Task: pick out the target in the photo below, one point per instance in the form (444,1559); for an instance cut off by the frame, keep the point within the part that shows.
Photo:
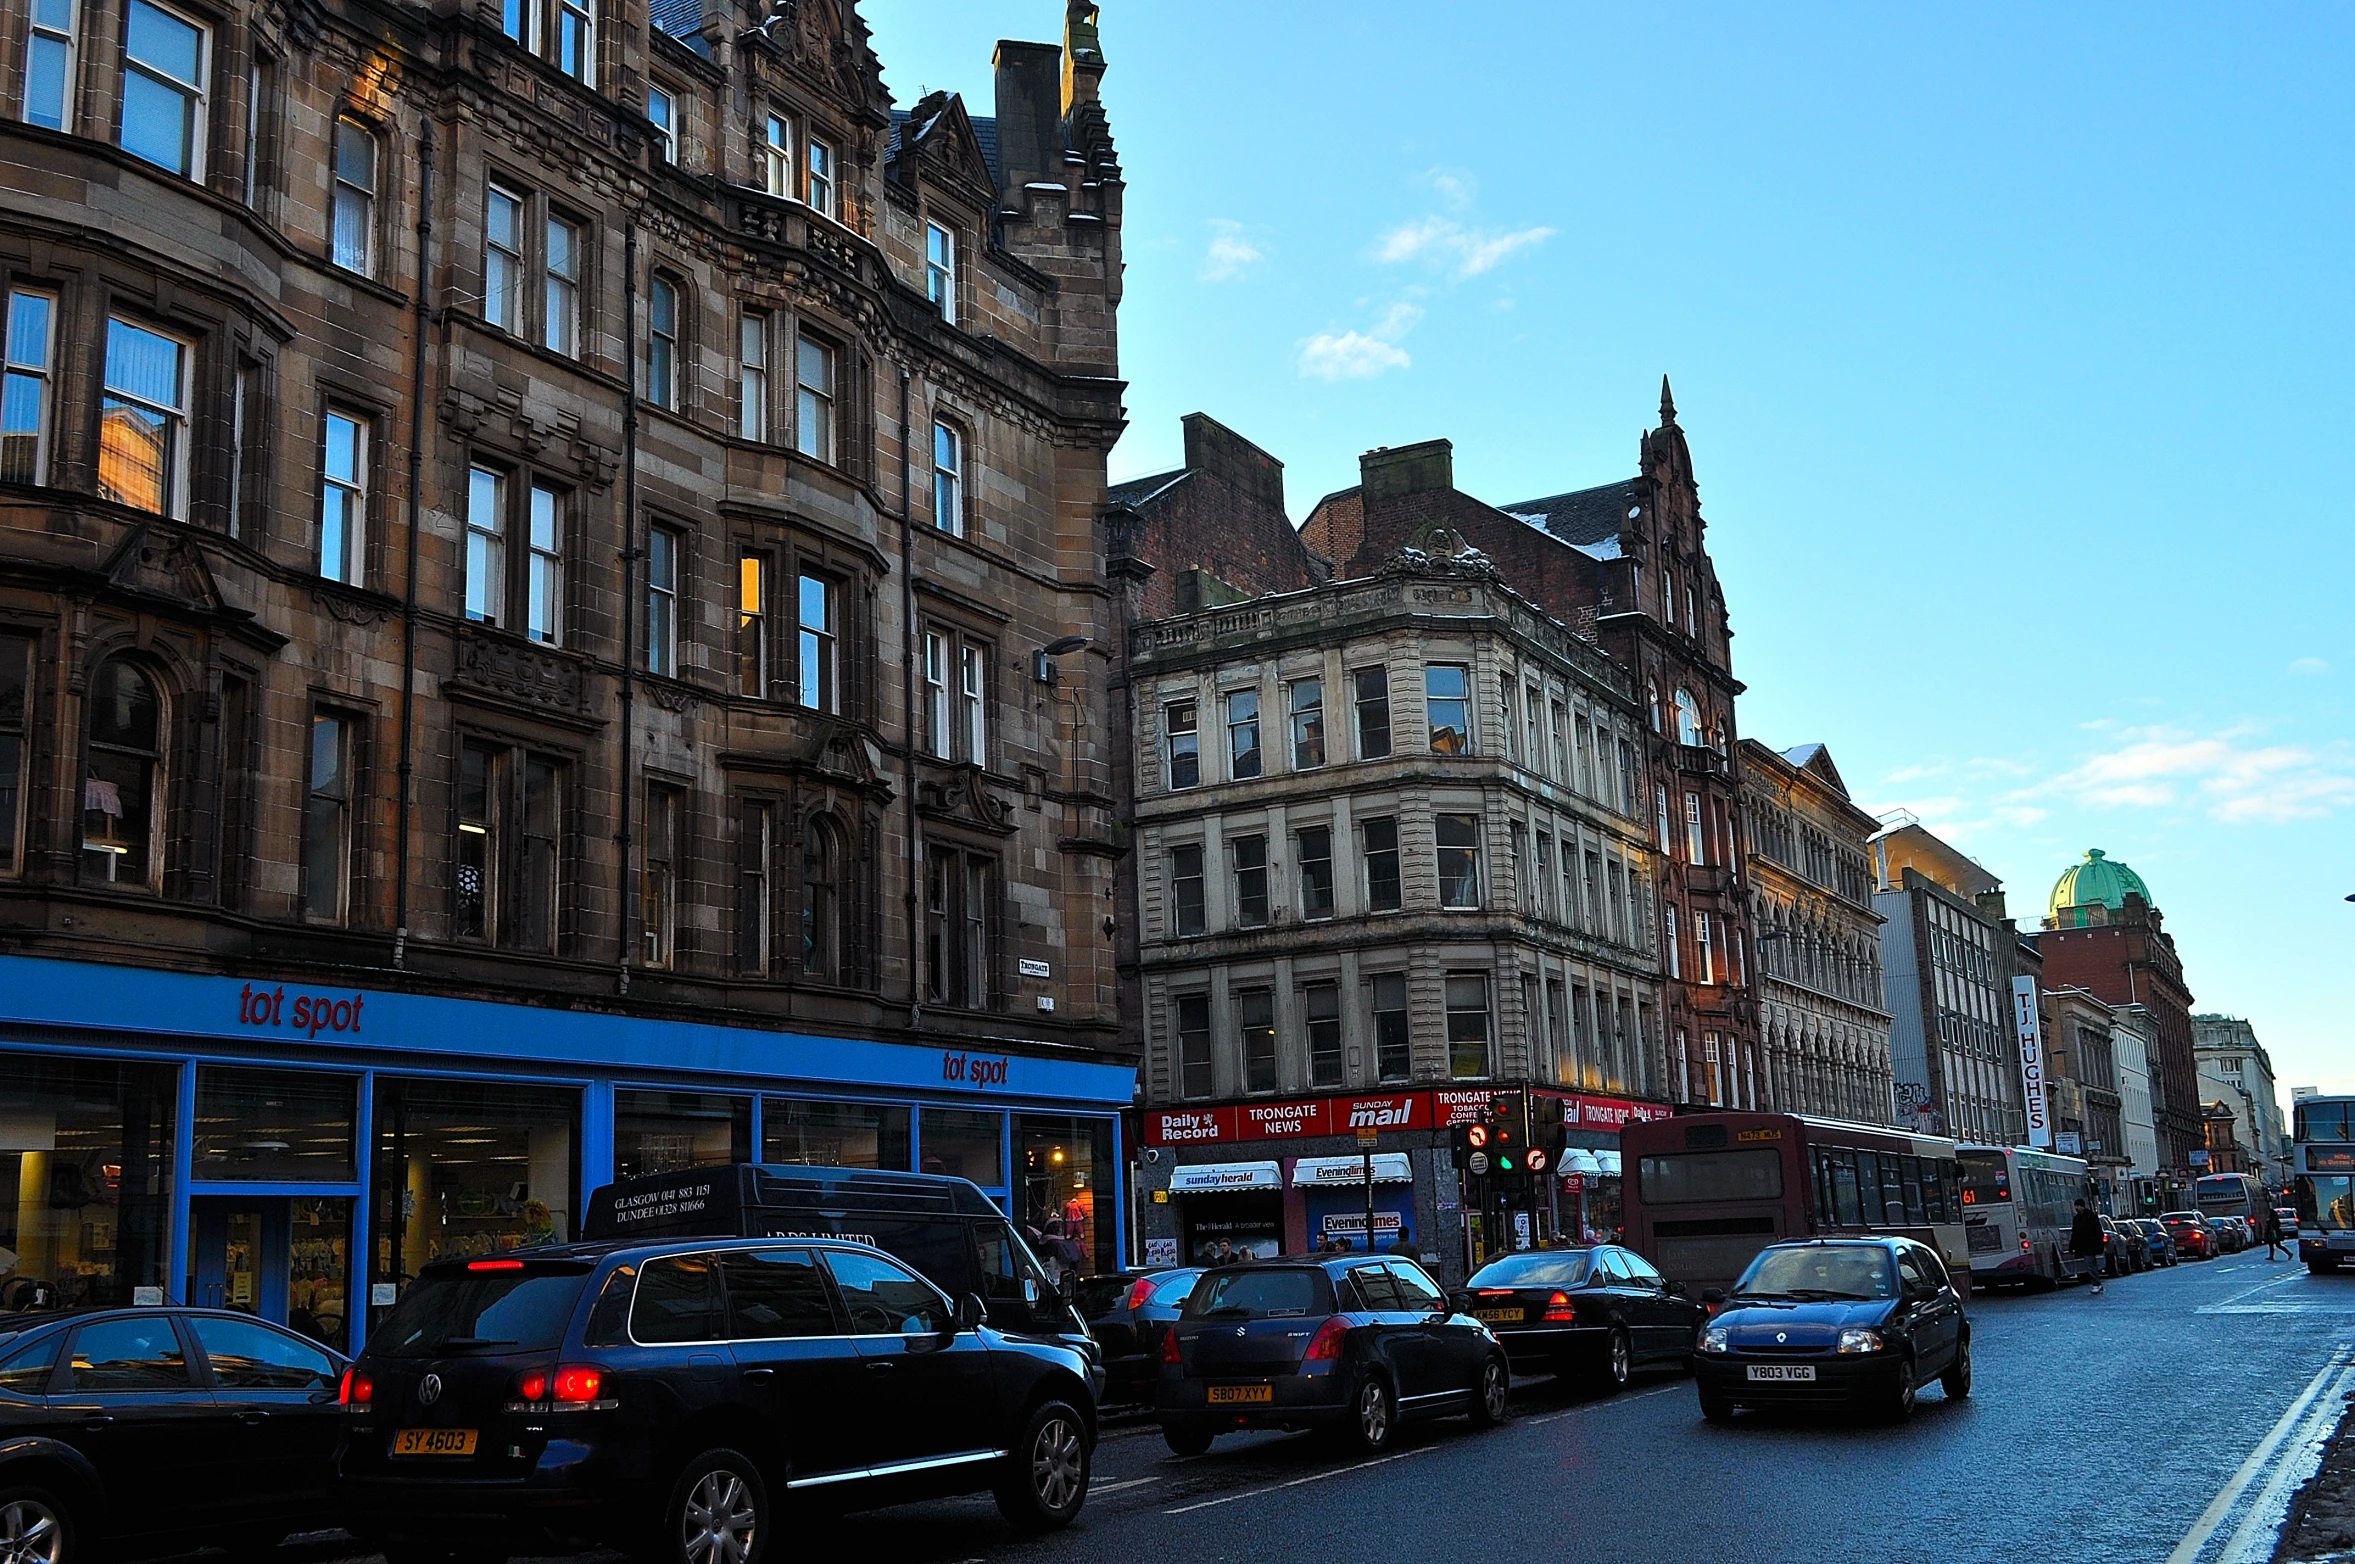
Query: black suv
(668,1395)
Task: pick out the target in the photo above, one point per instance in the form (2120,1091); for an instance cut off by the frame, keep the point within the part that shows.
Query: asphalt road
(2165,1420)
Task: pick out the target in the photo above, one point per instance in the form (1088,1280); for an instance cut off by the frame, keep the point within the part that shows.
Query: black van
(945,1228)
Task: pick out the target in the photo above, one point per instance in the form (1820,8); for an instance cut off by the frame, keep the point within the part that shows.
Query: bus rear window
(1686,1178)
(1985,1180)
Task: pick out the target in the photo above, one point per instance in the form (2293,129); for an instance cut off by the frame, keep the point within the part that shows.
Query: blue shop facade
(298,1150)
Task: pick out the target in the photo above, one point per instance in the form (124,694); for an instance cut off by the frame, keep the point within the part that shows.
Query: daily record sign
(2031,1022)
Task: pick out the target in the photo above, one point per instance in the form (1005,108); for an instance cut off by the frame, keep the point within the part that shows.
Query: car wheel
(1185,1440)
(1373,1415)
(718,1512)
(1716,1409)
(1045,1479)
(1491,1397)
(35,1526)
(1956,1381)
(1903,1394)
(1618,1361)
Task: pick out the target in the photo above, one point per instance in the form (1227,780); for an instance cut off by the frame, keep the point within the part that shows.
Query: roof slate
(1582,516)
(985,131)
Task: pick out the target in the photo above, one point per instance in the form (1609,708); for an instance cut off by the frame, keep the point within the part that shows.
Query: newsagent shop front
(297,1150)
(1265,1177)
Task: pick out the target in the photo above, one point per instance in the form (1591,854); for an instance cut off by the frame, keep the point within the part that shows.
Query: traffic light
(1464,1140)
(1548,1130)
(1507,1148)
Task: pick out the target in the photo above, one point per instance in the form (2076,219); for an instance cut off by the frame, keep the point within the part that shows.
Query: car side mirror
(971,1311)
(1030,1291)
(1676,1289)
(1460,1301)
(1713,1296)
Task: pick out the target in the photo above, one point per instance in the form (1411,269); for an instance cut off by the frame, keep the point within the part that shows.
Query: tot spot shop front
(297,1149)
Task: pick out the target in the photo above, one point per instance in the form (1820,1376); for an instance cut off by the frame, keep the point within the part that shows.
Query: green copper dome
(2099,881)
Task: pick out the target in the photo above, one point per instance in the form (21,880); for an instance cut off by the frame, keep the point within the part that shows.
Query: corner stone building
(565,507)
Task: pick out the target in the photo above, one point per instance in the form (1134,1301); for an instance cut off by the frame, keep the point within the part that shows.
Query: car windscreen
(1569,1269)
(1256,1294)
(1825,1272)
(523,1309)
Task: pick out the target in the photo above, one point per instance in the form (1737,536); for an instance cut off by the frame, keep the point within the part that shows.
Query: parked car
(2124,1248)
(2162,1242)
(2232,1234)
(668,1396)
(1599,1313)
(2194,1239)
(1844,1322)
(1351,1345)
(1128,1311)
(2288,1216)
(138,1432)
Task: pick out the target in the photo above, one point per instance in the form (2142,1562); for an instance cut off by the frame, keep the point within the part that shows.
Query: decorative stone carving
(348,609)
(546,680)
(162,560)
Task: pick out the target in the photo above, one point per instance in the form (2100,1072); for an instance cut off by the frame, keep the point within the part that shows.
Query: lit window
(1459,861)
(662,344)
(816,600)
(1184,760)
(752,376)
(49,64)
(354,224)
(973,698)
(1243,735)
(662,110)
(948,480)
(1308,724)
(776,156)
(940,270)
(29,392)
(561,329)
(752,643)
(821,183)
(1446,696)
(143,422)
(164,70)
(486,546)
(480,773)
(544,605)
(343,499)
(814,430)
(502,259)
(662,601)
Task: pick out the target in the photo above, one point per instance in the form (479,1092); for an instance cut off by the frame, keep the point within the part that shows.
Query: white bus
(2323,1190)
(2017,1205)
(2232,1194)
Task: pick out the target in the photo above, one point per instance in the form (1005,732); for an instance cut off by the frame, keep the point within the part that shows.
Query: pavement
(2169,1420)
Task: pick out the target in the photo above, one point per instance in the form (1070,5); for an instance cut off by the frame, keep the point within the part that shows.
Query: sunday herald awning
(1390,1167)
(1216,1178)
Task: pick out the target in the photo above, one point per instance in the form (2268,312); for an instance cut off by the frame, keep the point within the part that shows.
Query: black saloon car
(1847,1322)
(671,1395)
(1128,1312)
(147,1431)
(1598,1313)
(1351,1345)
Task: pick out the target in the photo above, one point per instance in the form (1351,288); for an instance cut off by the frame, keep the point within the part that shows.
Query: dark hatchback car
(1849,1322)
(670,1396)
(1349,1345)
(136,1432)
(1598,1313)
(1128,1312)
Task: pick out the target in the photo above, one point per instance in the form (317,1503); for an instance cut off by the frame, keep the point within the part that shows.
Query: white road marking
(1099,1489)
(1313,1477)
(2195,1541)
(1592,1406)
(2253,1542)
(2248,1292)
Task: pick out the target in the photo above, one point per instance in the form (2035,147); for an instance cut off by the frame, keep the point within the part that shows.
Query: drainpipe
(419,320)
(908,675)
(629,590)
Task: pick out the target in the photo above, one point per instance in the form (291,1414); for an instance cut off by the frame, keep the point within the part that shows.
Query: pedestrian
(2273,1239)
(2085,1241)
(1405,1243)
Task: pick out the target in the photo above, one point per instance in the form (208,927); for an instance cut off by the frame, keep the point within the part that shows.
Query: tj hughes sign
(1308,1117)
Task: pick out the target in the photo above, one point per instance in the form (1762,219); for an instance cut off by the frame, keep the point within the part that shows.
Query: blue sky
(2011,344)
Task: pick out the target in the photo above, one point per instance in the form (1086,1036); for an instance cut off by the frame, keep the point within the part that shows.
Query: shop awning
(1212,1178)
(1576,1160)
(1390,1167)
(1610,1162)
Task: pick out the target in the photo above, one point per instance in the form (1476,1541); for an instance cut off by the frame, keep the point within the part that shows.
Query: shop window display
(280,1125)
(964,1144)
(834,1134)
(662,1132)
(466,1168)
(85,1180)
(1064,1162)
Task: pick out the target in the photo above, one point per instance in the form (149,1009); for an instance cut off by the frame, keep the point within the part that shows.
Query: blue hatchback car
(1860,1323)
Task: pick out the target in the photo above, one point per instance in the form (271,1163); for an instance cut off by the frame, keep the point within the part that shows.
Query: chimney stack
(1030,118)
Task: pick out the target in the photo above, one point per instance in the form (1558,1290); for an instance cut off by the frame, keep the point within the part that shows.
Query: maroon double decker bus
(1704,1192)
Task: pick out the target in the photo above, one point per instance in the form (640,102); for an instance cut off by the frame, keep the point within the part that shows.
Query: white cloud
(2222,774)
(1449,245)
(1361,355)
(1456,187)
(1231,252)
(2309,665)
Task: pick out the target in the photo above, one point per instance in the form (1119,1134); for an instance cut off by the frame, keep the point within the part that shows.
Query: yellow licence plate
(1497,1316)
(1231,1394)
(433,1441)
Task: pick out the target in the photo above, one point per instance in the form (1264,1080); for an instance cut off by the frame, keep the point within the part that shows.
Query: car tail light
(1170,1350)
(1138,1294)
(2024,1243)
(357,1389)
(1560,1310)
(577,1383)
(494,1265)
(1325,1345)
(532,1385)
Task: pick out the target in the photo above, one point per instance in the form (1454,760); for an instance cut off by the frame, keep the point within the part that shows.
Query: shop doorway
(284,1258)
